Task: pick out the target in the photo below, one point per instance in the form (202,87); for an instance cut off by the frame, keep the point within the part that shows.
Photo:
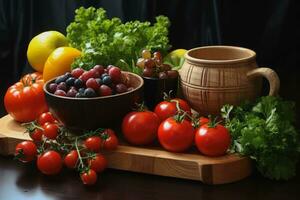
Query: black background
(269,27)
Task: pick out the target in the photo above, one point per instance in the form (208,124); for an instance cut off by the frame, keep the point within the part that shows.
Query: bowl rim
(251,56)
(94,98)
(155,78)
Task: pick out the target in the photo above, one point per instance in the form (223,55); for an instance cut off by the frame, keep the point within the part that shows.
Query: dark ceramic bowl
(79,114)
(155,88)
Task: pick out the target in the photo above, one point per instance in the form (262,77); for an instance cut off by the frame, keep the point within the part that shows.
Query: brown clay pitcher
(212,76)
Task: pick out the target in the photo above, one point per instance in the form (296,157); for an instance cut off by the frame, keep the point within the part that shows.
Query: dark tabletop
(23,181)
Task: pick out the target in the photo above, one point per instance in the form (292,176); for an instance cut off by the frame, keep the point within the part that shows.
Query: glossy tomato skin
(71,159)
(140,128)
(28,151)
(36,135)
(25,101)
(50,163)
(166,109)
(93,143)
(176,136)
(212,141)
(203,120)
(110,140)
(98,163)
(89,177)
(46,117)
(50,130)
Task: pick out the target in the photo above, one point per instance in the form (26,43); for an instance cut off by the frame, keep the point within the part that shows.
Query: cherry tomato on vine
(109,139)
(212,140)
(36,135)
(89,177)
(50,130)
(203,120)
(166,109)
(50,162)
(176,136)
(71,159)
(93,143)
(25,100)
(98,163)
(140,128)
(26,151)
(46,117)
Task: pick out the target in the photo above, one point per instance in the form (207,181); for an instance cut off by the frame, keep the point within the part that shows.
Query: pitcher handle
(270,75)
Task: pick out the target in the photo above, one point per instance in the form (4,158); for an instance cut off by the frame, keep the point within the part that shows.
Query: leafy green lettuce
(109,41)
(265,132)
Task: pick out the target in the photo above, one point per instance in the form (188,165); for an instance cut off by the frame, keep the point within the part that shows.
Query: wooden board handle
(270,75)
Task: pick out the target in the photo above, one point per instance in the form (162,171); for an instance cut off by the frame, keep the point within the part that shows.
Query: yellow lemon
(42,45)
(175,57)
(59,62)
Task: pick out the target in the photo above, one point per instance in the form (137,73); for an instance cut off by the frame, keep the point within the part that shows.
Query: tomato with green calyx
(212,139)
(25,100)
(169,108)
(109,140)
(26,151)
(97,163)
(176,134)
(36,135)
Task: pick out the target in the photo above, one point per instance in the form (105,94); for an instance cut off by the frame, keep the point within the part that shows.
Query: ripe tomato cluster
(176,129)
(53,146)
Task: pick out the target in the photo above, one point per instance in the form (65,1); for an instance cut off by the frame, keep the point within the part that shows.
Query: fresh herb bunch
(264,131)
(109,41)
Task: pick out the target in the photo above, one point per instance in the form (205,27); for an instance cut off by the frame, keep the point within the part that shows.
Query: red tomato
(46,117)
(93,143)
(26,151)
(98,163)
(50,130)
(89,177)
(25,100)
(176,136)
(36,135)
(71,159)
(110,140)
(49,163)
(140,128)
(166,109)
(203,120)
(212,141)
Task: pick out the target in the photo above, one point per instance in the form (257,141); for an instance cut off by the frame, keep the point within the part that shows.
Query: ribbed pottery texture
(209,84)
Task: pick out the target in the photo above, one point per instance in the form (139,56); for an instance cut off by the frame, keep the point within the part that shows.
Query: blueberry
(70,81)
(78,83)
(81,90)
(79,95)
(89,92)
(103,75)
(106,80)
(67,75)
(60,79)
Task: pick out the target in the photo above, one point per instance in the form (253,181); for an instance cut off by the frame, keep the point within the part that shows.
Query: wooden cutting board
(209,170)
